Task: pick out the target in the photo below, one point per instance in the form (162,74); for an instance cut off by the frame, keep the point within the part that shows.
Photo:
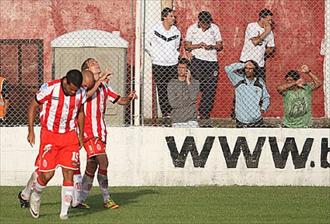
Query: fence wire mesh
(204,63)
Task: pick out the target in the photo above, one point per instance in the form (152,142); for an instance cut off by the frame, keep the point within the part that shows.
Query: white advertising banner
(187,157)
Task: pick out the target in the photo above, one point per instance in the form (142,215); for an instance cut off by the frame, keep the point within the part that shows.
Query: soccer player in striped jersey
(61,114)
(95,132)
(24,195)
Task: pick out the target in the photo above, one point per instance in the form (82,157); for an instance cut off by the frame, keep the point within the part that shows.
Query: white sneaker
(34,205)
(64,217)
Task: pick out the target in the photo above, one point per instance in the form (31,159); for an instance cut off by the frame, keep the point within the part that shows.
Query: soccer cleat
(81,206)
(110,204)
(64,217)
(24,203)
(34,206)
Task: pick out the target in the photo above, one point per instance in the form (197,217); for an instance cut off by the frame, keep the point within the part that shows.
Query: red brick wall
(298,34)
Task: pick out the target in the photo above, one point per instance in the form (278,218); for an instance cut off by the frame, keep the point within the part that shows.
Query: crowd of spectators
(178,96)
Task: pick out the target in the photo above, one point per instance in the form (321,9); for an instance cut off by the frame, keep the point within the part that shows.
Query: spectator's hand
(202,45)
(188,77)
(267,27)
(304,69)
(300,82)
(209,47)
(31,138)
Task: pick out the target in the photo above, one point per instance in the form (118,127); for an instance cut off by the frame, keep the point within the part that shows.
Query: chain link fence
(193,63)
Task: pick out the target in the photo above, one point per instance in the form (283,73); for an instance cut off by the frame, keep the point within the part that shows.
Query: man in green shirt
(297,95)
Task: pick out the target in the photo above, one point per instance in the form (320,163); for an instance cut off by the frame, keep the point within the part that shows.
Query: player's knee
(102,160)
(46,176)
(103,165)
(91,166)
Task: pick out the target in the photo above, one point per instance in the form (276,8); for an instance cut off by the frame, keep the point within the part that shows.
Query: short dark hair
(264,13)
(293,74)
(165,12)
(75,77)
(205,17)
(183,61)
(84,65)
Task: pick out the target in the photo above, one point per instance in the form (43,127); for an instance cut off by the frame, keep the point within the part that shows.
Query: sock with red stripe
(38,188)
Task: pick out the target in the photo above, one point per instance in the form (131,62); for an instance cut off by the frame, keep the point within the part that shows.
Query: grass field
(234,204)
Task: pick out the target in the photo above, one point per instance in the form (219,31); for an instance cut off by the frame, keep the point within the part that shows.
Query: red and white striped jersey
(94,110)
(59,112)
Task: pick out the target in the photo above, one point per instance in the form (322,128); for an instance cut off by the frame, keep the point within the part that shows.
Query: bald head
(88,79)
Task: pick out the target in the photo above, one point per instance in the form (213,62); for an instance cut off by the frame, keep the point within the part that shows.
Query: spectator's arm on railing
(230,70)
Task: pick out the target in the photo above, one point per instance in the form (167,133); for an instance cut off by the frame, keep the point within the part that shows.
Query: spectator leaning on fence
(297,96)
(259,41)
(251,96)
(182,94)
(204,40)
(162,44)
(4,99)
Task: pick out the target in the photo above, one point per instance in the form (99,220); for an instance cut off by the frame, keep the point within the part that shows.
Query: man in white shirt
(204,41)
(259,41)
(162,44)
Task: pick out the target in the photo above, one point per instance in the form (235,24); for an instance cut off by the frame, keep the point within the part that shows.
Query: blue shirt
(248,94)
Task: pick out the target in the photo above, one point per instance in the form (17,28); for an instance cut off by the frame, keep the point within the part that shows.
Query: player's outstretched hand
(132,95)
(106,74)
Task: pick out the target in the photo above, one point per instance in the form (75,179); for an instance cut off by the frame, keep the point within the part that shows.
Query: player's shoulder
(50,85)
(82,91)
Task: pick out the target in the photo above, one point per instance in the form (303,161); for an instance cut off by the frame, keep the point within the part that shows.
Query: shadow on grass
(95,201)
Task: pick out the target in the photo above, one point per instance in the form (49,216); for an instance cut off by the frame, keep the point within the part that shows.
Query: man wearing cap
(204,41)
(297,96)
(259,41)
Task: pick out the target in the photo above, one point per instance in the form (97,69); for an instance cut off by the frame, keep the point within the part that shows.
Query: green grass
(234,204)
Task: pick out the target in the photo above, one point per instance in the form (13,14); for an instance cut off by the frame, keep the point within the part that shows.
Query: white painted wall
(140,157)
